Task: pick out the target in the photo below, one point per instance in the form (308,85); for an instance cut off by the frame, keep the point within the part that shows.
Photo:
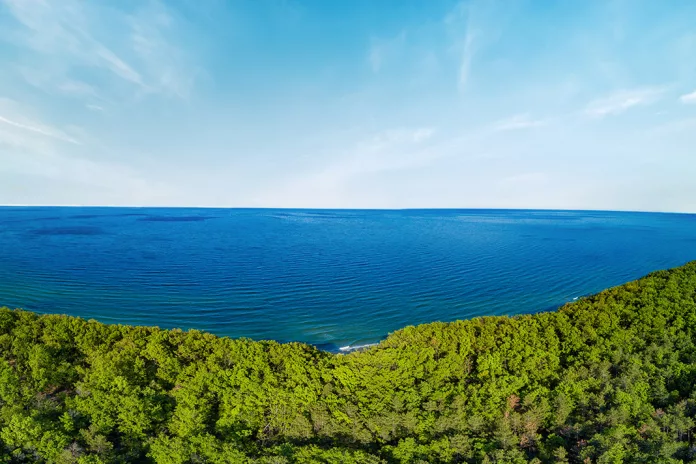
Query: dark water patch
(128,215)
(74,230)
(330,347)
(31,219)
(84,216)
(176,218)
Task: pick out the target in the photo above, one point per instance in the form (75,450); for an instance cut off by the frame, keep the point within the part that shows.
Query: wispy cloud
(474,26)
(382,49)
(10,117)
(519,121)
(467,57)
(622,101)
(388,150)
(461,20)
(44,155)
(166,65)
(385,151)
(63,30)
(39,130)
(689,98)
(77,88)
(443,101)
(59,37)
(113,62)
(94,107)
(392,137)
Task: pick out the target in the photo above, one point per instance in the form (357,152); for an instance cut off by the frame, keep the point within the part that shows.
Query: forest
(610,378)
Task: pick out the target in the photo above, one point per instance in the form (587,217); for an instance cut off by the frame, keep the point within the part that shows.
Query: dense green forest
(608,379)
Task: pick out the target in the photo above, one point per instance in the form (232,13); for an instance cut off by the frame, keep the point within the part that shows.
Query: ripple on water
(69,230)
(175,218)
(332,278)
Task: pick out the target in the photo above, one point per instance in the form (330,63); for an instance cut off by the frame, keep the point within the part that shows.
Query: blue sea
(330,278)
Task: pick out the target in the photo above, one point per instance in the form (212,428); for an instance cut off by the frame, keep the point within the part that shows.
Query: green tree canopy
(607,379)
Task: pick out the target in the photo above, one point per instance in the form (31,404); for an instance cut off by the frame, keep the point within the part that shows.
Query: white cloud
(386,151)
(520,121)
(62,30)
(48,132)
(622,101)
(119,67)
(688,98)
(461,21)
(77,88)
(473,26)
(10,115)
(166,66)
(467,57)
(132,49)
(45,155)
(375,57)
(382,50)
(394,137)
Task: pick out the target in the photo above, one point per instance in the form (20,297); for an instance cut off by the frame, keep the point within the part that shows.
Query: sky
(557,104)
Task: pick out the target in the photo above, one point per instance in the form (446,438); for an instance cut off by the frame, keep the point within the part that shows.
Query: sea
(337,279)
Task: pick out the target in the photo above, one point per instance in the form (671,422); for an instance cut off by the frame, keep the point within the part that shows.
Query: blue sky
(367,104)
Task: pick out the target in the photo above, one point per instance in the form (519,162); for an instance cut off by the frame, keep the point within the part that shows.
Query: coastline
(525,388)
(360,347)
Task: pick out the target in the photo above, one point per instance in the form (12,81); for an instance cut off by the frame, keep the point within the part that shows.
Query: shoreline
(437,392)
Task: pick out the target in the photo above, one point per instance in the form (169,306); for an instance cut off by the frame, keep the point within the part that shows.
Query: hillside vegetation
(608,379)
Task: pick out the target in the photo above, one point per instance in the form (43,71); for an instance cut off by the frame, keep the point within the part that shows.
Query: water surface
(331,278)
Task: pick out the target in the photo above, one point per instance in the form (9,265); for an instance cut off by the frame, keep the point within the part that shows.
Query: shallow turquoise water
(331,278)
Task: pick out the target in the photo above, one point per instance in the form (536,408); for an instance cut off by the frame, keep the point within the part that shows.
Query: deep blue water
(331,278)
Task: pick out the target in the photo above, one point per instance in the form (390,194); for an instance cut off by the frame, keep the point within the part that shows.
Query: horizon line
(346,209)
